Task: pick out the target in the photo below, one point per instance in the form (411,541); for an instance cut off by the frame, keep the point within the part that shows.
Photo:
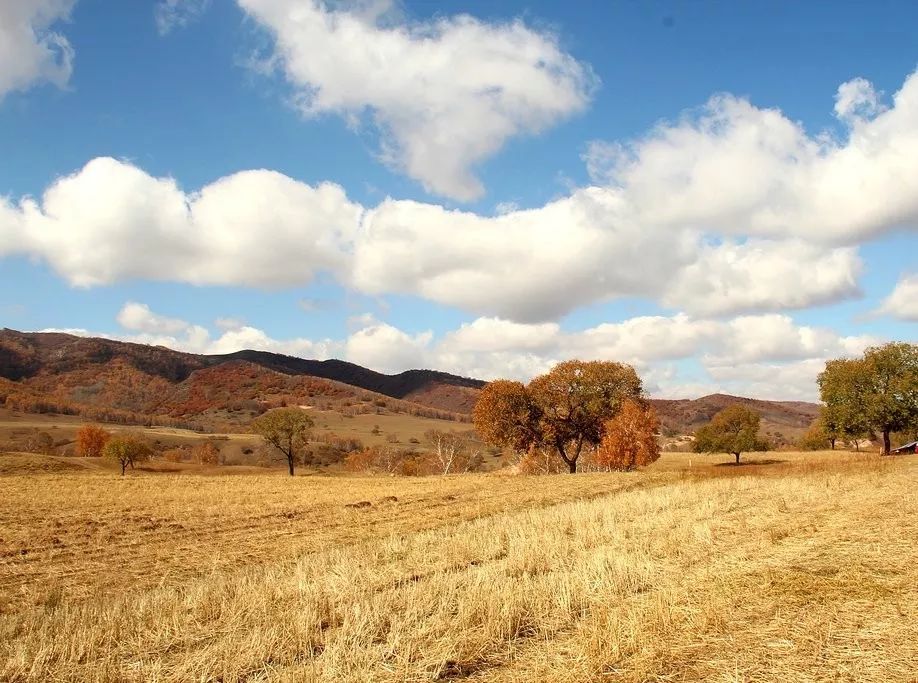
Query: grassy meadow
(792,567)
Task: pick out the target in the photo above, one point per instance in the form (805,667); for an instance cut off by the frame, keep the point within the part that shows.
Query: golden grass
(799,570)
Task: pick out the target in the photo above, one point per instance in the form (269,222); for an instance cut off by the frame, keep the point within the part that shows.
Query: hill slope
(132,382)
(120,381)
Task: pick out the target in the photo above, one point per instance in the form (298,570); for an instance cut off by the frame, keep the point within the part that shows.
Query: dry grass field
(797,570)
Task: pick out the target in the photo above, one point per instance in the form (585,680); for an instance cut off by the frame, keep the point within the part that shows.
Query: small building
(906,448)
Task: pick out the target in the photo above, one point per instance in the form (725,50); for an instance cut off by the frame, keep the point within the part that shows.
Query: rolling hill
(135,383)
(125,382)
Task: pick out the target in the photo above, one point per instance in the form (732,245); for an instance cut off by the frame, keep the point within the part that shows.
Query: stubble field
(800,569)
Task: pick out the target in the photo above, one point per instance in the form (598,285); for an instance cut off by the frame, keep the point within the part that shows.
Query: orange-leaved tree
(629,439)
(563,410)
(90,440)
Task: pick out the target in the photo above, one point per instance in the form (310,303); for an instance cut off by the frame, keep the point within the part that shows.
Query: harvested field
(798,570)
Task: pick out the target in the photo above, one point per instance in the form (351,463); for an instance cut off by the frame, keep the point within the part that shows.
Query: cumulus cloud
(111,221)
(903,300)
(733,168)
(764,275)
(174,14)
(30,51)
(386,348)
(446,93)
(857,100)
(732,211)
(527,265)
(139,317)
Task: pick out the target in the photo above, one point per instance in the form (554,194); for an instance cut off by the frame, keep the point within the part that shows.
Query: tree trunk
(736,455)
(290,464)
(123,467)
(832,443)
(572,466)
(886,446)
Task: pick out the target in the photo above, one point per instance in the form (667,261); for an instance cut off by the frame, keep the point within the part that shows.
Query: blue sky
(723,194)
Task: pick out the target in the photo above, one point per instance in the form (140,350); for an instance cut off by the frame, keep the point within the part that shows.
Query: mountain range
(118,381)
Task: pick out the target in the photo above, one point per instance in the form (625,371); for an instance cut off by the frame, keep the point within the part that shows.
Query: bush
(90,440)
(629,439)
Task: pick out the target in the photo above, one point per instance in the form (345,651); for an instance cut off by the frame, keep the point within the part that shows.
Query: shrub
(629,439)
(90,440)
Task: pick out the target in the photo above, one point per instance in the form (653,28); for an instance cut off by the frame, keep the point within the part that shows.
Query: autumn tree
(877,391)
(286,429)
(90,440)
(563,410)
(629,439)
(206,453)
(127,449)
(735,430)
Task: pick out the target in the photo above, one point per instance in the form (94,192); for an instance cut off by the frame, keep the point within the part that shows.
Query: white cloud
(138,317)
(173,14)
(30,52)
(446,93)
(764,275)
(734,168)
(903,300)
(753,219)
(771,381)
(857,100)
(387,349)
(111,221)
(529,265)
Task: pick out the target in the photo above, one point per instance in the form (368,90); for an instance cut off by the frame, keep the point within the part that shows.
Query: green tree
(288,430)
(817,437)
(735,430)
(127,449)
(878,391)
(563,410)
(842,386)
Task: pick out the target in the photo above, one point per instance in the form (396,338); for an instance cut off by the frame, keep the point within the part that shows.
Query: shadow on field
(753,463)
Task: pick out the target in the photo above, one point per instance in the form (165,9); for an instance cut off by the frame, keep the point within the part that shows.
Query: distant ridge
(51,370)
(136,379)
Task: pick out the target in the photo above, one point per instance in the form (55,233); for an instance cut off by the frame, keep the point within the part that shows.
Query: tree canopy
(563,410)
(735,430)
(127,449)
(878,391)
(90,440)
(286,429)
